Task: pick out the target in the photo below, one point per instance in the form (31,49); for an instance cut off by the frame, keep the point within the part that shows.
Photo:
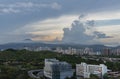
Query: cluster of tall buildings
(74,51)
(54,69)
(37,48)
(108,51)
(88,51)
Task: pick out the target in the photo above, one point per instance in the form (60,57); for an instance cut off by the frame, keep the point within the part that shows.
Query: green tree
(92,76)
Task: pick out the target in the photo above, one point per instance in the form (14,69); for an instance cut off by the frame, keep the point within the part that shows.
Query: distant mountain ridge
(22,45)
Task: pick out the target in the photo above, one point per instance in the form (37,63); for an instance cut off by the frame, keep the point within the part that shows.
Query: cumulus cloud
(101,35)
(46,30)
(82,31)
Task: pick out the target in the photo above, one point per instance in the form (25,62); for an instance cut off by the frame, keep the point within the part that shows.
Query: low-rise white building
(84,70)
(54,69)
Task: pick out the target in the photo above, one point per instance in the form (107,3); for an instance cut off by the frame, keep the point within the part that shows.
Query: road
(38,75)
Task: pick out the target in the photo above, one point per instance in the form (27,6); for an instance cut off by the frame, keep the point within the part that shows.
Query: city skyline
(74,21)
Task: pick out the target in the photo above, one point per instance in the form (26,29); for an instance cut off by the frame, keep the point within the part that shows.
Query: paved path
(38,75)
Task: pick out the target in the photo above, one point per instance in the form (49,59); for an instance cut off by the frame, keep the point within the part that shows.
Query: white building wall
(86,75)
(104,69)
(85,70)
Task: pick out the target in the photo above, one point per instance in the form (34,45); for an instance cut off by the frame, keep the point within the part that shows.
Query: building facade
(84,70)
(54,69)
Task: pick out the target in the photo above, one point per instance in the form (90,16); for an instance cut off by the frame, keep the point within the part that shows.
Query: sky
(63,21)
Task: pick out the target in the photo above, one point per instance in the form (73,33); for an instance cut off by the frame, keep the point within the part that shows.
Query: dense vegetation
(14,64)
